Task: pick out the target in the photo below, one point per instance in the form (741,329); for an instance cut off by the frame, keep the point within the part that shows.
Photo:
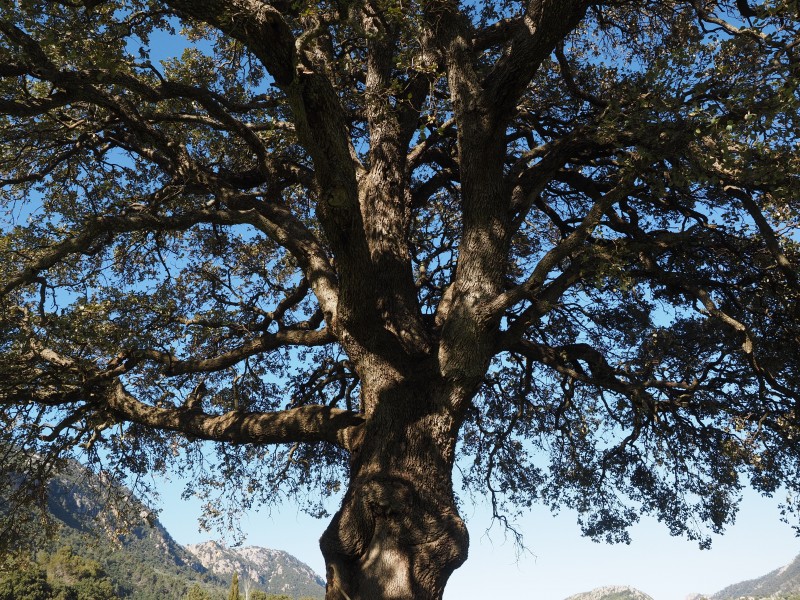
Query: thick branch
(302,424)
(284,227)
(322,128)
(259,25)
(382,190)
(34,106)
(536,34)
(569,80)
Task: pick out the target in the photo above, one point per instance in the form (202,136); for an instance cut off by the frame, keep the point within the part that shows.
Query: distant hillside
(613,592)
(273,571)
(783,584)
(145,563)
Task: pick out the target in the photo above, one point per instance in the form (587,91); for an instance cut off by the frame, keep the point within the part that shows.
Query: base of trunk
(393,539)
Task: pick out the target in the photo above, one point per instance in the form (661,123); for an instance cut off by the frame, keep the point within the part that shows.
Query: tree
(28,584)
(62,575)
(233,594)
(196,593)
(356,244)
(74,577)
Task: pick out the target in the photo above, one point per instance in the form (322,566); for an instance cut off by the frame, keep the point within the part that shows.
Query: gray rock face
(273,571)
(612,592)
(144,562)
(781,583)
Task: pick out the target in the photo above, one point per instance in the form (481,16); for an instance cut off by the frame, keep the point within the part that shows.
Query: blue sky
(558,562)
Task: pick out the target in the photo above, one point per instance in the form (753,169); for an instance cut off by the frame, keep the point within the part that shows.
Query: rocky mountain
(144,562)
(783,584)
(613,592)
(273,571)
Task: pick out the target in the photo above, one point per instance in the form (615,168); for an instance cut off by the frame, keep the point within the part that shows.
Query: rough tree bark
(398,533)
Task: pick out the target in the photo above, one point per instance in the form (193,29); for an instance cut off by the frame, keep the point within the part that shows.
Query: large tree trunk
(398,533)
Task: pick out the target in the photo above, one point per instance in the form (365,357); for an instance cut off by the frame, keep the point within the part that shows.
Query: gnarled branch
(302,424)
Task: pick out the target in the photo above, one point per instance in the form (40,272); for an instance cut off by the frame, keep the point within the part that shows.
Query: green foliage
(233,593)
(85,560)
(77,578)
(28,584)
(783,583)
(197,593)
(138,565)
(62,575)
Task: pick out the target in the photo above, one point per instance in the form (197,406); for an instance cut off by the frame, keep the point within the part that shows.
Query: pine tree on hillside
(234,593)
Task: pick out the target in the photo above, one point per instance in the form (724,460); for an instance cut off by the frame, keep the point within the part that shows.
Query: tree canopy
(358,243)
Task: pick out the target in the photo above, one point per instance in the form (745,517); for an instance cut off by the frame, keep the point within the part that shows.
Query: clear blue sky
(559,562)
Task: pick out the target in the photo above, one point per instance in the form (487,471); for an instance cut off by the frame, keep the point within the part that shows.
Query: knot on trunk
(388,497)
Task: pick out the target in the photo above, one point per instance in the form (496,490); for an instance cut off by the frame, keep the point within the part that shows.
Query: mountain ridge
(274,571)
(142,559)
(782,583)
(611,592)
